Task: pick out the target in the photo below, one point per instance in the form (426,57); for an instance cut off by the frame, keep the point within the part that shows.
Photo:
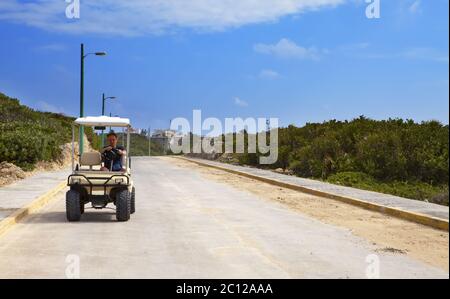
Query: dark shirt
(117,161)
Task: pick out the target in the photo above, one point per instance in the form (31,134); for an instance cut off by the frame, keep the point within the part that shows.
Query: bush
(381,156)
(351,179)
(395,156)
(413,190)
(29,136)
(139,145)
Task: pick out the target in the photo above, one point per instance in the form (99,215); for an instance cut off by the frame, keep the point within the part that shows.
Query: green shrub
(395,156)
(351,179)
(139,145)
(28,136)
(414,190)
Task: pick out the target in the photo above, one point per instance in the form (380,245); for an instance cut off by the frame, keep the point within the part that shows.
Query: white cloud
(47,107)
(288,49)
(415,7)
(139,17)
(268,74)
(240,103)
(426,54)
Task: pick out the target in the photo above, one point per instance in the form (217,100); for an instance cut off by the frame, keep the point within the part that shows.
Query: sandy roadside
(387,233)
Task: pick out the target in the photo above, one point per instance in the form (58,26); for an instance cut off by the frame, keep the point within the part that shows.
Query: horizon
(139,129)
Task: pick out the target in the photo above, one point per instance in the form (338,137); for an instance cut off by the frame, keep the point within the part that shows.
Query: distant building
(163,137)
(163,134)
(135,131)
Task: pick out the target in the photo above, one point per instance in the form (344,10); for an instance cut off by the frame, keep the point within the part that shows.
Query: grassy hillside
(392,156)
(28,136)
(139,146)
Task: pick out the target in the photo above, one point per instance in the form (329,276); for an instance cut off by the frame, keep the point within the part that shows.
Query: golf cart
(89,183)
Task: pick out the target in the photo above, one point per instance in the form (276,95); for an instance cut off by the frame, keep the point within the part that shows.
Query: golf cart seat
(91,159)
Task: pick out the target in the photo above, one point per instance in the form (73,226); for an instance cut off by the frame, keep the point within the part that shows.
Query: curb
(427,220)
(9,222)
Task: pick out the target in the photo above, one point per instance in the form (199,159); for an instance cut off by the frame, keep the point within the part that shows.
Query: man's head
(112,139)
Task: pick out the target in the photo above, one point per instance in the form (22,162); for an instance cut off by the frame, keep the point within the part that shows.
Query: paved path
(373,197)
(23,192)
(187,226)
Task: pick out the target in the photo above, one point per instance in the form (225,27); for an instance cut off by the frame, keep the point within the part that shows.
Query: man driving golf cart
(101,178)
(113,154)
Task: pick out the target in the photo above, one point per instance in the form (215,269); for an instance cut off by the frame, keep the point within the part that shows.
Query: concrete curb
(427,220)
(9,222)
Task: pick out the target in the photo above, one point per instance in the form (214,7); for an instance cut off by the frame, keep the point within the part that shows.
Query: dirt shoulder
(387,234)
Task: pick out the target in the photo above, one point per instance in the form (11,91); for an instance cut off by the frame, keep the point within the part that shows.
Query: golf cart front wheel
(73,206)
(123,205)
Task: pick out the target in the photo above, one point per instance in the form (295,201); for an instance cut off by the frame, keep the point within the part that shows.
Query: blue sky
(298,60)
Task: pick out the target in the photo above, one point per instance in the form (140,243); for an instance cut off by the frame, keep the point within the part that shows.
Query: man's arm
(121,150)
(106,148)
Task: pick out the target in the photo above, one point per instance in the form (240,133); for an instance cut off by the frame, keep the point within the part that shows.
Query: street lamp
(83,56)
(104,99)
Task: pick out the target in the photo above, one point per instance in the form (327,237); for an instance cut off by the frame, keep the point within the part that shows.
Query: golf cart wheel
(73,206)
(123,205)
(133,201)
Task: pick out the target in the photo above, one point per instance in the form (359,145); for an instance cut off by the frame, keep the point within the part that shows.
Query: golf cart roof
(103,121)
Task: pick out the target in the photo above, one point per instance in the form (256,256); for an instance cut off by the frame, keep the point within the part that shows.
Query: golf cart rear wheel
(73,206)
(133,201)
(123,205)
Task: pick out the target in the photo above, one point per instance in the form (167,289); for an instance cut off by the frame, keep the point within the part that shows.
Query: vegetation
(416,190)
(139,145)
(393,156)
(28,136)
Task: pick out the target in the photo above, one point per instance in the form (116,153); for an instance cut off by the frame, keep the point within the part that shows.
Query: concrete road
(189,227)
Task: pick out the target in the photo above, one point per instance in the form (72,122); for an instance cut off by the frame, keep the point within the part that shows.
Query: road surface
(187,226)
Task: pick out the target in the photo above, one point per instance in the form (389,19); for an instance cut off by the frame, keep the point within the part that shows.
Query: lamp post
(83,56)
(104,99)
(149,142)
